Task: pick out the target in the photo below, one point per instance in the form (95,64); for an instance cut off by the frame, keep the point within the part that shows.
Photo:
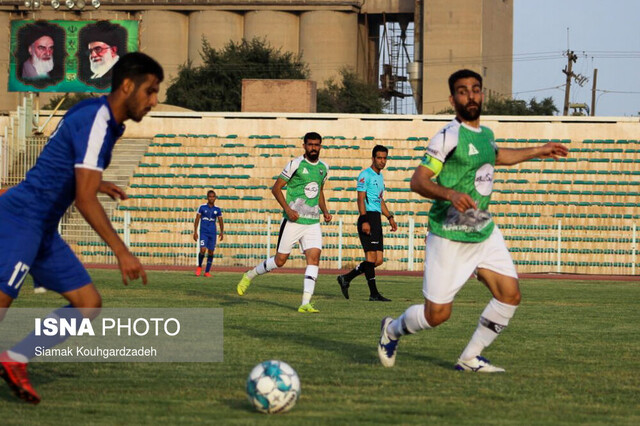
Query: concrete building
(329,34)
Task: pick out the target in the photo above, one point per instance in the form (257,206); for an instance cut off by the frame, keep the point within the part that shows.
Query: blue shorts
(44,255)
(208,241)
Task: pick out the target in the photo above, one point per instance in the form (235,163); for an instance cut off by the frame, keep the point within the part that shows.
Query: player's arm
(221,223)
(362,209)
(422,183)
(279,196)
(323,205)
(388,215)
(511,156)
(88,183)
(112,190)
(196,223)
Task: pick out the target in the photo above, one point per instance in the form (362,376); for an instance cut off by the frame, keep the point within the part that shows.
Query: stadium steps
(126,155)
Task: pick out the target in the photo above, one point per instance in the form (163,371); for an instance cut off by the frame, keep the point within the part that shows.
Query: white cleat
(387,346)
(478,365)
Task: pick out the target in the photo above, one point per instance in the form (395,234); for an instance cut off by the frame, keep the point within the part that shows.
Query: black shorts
(373,241)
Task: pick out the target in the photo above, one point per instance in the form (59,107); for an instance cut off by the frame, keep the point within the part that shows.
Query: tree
(499,106)
(216,85)
(70,100)
(351,95)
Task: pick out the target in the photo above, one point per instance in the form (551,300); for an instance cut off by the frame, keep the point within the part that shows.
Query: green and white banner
(67,56)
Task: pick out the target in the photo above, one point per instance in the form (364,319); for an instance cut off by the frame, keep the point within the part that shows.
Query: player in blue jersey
(371,206)
(206,218)
(69,170)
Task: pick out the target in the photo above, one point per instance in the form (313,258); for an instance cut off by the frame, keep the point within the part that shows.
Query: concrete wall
(280,29)
(278,95)
(217,26)
(497,46)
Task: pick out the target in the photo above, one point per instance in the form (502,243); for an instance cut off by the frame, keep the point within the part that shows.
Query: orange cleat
(206,274)
(15,374)
(198,271)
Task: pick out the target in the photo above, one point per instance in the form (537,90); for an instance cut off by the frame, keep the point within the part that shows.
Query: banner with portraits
(67,56)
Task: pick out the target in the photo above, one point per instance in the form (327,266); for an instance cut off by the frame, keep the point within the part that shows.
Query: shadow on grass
(354,352)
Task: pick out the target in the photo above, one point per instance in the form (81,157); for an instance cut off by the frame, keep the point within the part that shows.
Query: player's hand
(394,225)
(553,150)
(462,202)
(195,236)
(131,268)
(112,190)
(327,217)
(292,215)
(221,236)
(366,228)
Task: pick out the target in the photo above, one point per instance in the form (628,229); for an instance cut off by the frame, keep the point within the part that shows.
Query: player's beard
(313,156)
(43,66)
(101,67)
(466,114)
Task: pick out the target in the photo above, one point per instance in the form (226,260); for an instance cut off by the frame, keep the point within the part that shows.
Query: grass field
(571,355)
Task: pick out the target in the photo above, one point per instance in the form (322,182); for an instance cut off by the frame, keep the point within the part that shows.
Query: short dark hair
(378,148)
(211,191)
(312,136)
(135,66)
(460,74)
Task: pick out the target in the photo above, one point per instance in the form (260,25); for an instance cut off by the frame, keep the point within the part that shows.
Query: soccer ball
(273,387)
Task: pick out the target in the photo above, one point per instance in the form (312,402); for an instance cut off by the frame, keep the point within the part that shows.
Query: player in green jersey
(463,240)
(304,177)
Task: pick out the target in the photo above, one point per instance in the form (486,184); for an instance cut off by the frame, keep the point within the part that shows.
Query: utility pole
(593,92)
(571,57)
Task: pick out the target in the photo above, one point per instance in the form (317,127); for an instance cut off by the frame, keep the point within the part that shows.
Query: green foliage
(216,85)
(70,100)
(351,95)
(498,106)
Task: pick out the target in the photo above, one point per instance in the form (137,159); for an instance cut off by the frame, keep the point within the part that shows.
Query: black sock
(354,272)
(370,274)
(200,259)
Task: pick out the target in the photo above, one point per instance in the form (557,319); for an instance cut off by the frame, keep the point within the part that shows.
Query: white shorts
(449,264)
(309,236)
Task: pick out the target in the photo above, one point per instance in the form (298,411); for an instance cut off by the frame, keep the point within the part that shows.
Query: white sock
(262,268)
(17,357)
(411,321)
(310,276)
(493,320)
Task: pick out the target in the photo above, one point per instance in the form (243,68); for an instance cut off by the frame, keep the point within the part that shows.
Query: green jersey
(463,159)
(304,183)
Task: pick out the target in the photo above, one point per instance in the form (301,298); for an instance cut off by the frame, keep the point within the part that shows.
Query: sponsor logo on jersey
(484,179)
(305,171)
(473,150)
(311,190)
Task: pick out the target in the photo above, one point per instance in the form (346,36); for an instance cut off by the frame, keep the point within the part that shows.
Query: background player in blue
(68,170)
(371,204)
(206,218)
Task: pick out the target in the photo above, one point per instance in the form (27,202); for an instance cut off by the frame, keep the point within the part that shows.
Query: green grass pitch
(571,354)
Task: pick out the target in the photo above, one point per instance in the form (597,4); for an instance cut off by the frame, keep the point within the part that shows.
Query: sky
(603,34)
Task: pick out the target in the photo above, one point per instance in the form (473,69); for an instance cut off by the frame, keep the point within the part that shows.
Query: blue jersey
(372,184)
(84,138)
(208,216)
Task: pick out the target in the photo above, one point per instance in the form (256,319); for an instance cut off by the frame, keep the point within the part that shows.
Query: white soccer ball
(273,387)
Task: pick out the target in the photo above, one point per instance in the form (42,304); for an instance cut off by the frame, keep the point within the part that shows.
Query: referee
(371,206)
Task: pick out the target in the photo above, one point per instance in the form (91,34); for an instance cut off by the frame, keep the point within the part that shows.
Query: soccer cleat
(478,364)
(378,298)
(308,308)
(198,271)
(344,286)
(387,346)
(243,285)
(15,374)
(207,274)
